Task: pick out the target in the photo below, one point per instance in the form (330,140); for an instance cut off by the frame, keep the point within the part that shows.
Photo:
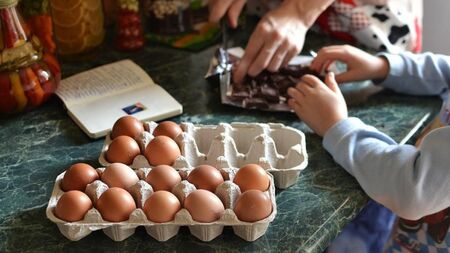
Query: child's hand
(320,105)
(360,65)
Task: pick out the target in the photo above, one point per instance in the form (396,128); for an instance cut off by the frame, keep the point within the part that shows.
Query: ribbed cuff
(396,67)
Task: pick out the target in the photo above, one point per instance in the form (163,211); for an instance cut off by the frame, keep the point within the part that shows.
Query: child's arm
(412,182)
(421,74)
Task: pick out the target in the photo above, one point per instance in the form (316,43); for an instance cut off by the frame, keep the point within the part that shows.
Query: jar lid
(7,3)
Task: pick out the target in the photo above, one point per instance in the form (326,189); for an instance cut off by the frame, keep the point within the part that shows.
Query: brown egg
(162,151)
(253,205)
(73,206)
(116,205)
(122,149)
(163,178)
(205,177)
(204,206)
(252,176)
(119,175)
(161,206)
(78,176)
(168,128)
(127,125)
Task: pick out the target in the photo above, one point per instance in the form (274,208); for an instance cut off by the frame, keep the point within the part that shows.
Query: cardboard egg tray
(279,149)
(119,231)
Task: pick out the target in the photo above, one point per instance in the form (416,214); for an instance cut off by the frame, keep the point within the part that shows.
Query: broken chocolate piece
(270,93)
(268,89)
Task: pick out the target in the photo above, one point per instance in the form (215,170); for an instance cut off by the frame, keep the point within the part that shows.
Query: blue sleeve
(412,182)
(418,74)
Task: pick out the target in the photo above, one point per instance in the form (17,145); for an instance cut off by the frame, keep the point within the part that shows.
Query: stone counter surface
(38,145)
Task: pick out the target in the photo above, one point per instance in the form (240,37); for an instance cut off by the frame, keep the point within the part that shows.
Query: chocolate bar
(269,88)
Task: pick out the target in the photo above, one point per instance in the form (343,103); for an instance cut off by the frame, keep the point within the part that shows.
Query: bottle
(78,25)
(130,34)
(28,76)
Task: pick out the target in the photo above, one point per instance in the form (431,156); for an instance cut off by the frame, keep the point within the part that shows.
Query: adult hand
(320,105)
(219,8)
(360,65)
(278,37)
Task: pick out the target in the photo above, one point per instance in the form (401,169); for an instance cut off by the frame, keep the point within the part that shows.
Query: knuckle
(323,51)
(267,51)
(294,43)
(264,28)
(277,35)
(273,67)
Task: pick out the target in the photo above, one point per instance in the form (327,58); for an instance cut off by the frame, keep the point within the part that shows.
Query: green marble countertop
(38,145)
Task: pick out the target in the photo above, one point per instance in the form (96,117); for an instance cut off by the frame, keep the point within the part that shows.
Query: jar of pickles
(38,17)
(28,76)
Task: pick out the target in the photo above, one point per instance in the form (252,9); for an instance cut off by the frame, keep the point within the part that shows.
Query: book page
(103,81)
(145,103)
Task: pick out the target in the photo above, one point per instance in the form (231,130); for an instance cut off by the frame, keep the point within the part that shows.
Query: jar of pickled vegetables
(179,23)
(28,75)
(130,34)
(78,25)
(38,17)
(168,17)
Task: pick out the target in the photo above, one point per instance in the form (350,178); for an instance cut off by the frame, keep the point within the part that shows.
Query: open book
(96,98)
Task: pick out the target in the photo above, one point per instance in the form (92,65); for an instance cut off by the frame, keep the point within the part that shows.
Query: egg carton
(279,149)
(119,231)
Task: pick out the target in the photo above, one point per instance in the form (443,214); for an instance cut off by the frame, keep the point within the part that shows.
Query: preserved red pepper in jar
(28,75)
(130,34)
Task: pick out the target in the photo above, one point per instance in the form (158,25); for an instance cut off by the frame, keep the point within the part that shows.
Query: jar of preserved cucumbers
(28,75)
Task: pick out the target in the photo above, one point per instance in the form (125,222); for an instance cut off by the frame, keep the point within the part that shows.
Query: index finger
(329,54)
(251,51)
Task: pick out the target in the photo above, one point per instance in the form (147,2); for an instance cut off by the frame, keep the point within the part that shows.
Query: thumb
(331,82)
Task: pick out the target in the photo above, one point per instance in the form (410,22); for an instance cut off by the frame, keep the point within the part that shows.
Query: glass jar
(168,17)
(130,34)
(78,25)
(179,23)
(28,76)
(38,17)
